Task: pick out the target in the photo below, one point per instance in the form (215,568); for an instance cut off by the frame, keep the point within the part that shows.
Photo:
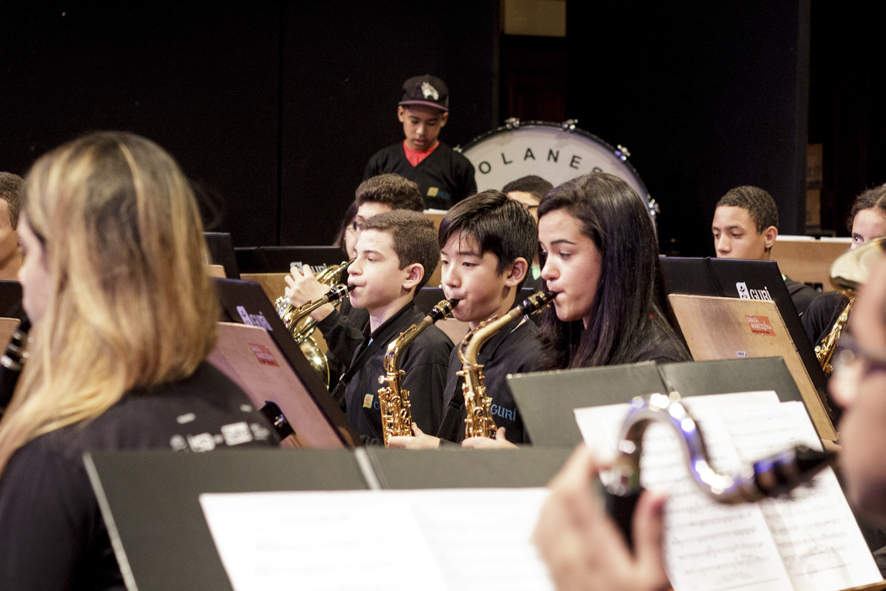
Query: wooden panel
(730,328)
(807,261)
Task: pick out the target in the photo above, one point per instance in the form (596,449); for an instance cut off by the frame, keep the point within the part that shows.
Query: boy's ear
(444,118)
(517,272)
(414,274)
(769,236)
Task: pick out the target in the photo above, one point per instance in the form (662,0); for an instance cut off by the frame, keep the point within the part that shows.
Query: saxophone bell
(773,476)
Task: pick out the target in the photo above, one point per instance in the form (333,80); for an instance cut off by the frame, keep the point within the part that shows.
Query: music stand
(276,259)
(743,279)
(546,399)
(11,300)
(244,302)
(221,251)
(150,500)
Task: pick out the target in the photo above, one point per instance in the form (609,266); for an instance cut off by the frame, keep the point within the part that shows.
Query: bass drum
(557,152)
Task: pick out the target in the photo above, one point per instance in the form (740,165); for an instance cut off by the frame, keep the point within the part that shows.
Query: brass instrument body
(825,351)
(393,399)
(848,273)
(478,406)
(301,326)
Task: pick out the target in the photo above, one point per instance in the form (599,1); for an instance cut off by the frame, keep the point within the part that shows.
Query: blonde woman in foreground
(123,317)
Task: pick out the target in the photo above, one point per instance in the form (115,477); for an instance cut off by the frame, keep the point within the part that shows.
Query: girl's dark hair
(630,320)
(871,199)
(350,214)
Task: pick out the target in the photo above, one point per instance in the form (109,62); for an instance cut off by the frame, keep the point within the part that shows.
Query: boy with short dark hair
(342,329)
(486,244)
(396,253)
(443,175)
(745,226)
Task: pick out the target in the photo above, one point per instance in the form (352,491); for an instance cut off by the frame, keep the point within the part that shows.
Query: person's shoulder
(386,153)
(801,294)
(455,156)
(520,351)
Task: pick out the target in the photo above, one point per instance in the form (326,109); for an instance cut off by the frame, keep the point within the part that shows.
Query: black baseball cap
(425,90)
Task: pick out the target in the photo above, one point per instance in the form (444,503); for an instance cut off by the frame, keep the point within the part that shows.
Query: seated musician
(585,550)
(396,252)
(342,329)
(124,315)
(602,262)
(867,221)
(486,242)
(529,190)
(745,226)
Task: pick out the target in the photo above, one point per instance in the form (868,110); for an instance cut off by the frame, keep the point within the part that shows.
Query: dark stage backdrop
(273,108)
(706,95)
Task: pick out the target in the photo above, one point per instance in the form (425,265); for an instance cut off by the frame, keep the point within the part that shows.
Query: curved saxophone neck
(335,294)
(771,477)
(469,349)
(398,345)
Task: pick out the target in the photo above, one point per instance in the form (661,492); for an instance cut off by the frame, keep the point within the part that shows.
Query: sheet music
(458,539)
(815,531)
(710,546)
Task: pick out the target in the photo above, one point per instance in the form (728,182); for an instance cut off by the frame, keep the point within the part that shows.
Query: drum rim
(561,127)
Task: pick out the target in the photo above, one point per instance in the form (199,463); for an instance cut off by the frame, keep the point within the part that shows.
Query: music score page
(456,539)
(808,543)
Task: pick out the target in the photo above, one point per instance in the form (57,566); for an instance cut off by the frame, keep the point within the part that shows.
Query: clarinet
(12,362)
(770,477)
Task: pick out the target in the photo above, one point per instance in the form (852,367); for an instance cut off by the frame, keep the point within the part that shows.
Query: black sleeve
(342,335)
(467,182)
(51,530)
(373,167)
(425,379)
(821,314)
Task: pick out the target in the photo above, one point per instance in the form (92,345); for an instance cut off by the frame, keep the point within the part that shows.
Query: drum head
(556,153)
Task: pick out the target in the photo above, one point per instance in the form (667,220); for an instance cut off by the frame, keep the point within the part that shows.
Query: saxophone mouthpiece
(778,474)
(338,292)
(536,302)
(443,309)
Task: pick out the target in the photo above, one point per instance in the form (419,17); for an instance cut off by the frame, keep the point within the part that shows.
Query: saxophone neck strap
(452,417)
(367,351)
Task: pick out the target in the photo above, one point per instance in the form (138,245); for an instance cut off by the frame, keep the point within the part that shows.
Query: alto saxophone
(478,406)
(770,477)
(393,400)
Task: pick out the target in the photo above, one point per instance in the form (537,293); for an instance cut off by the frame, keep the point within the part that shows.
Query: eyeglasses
(850,350)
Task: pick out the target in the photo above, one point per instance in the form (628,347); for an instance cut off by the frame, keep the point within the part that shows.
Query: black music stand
(221,251)
(735,278)
(11,300)
(244,302)
(277,259)
(546,399)
(150,500)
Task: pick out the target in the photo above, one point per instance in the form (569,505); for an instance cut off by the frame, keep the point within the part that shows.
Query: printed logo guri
(752,294)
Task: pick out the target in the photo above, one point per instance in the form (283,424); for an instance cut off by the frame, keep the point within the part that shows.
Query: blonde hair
(130,304)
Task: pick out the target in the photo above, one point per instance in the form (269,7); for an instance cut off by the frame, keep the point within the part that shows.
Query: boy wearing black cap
(444,176)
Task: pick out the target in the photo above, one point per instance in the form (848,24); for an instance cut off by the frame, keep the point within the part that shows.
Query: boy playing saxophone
(396,253)
(486,244)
